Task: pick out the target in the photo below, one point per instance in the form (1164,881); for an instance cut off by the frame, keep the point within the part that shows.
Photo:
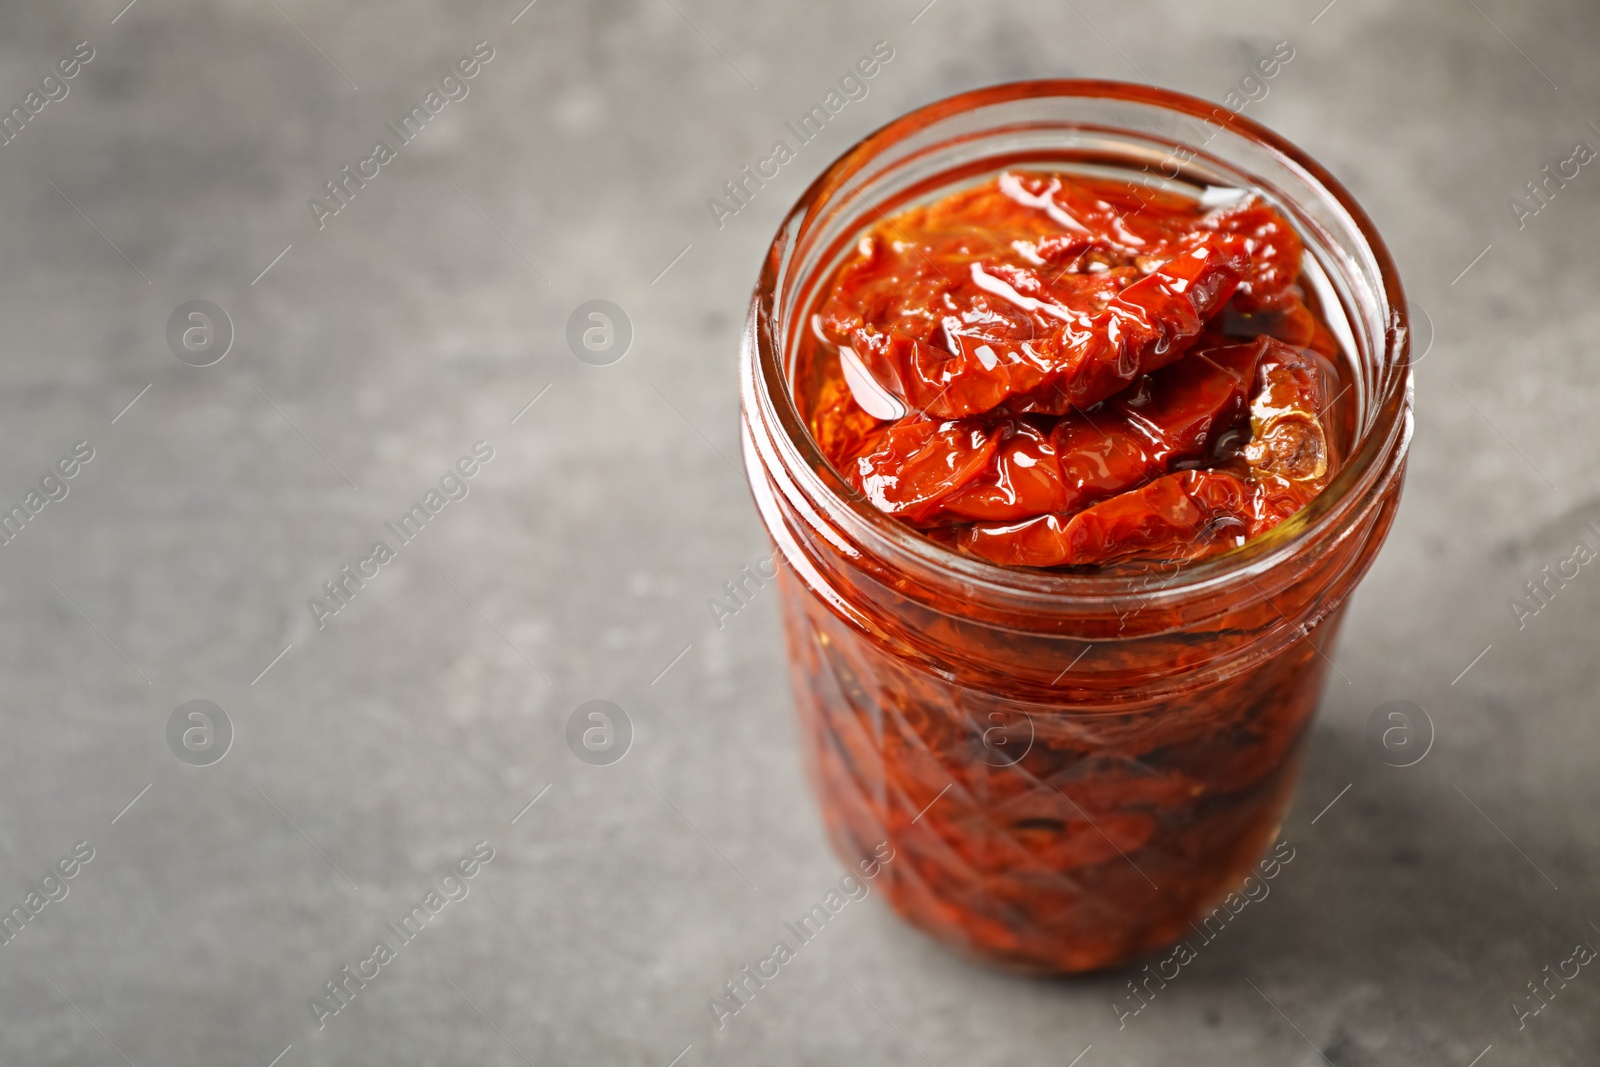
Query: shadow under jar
(1069,767)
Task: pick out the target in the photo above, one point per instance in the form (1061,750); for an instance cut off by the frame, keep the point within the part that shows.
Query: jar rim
(1376,460)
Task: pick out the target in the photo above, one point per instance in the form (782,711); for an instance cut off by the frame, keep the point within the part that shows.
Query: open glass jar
(1070,768)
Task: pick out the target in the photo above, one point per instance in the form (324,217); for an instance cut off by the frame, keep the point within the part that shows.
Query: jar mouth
(1007,125)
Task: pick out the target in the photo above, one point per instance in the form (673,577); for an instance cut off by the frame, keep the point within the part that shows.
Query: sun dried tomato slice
(1196,513)
(1177,516)
(1001,344)
(915,464)
(1272,249)
(1171,415)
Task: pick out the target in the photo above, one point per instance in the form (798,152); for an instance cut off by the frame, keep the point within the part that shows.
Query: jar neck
(835,537)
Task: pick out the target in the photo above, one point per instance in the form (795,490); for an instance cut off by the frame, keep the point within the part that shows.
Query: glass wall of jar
(1070,768)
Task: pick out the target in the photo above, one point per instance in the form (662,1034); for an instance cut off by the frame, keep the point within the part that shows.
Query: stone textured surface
(428,713)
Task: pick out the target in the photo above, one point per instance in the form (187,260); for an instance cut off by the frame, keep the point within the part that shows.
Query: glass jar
(1067,769)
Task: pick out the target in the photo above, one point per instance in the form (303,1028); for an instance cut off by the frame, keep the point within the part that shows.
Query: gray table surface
(430,711)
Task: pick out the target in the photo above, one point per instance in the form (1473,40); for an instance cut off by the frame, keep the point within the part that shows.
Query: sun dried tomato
(918,463)
(1054,371)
